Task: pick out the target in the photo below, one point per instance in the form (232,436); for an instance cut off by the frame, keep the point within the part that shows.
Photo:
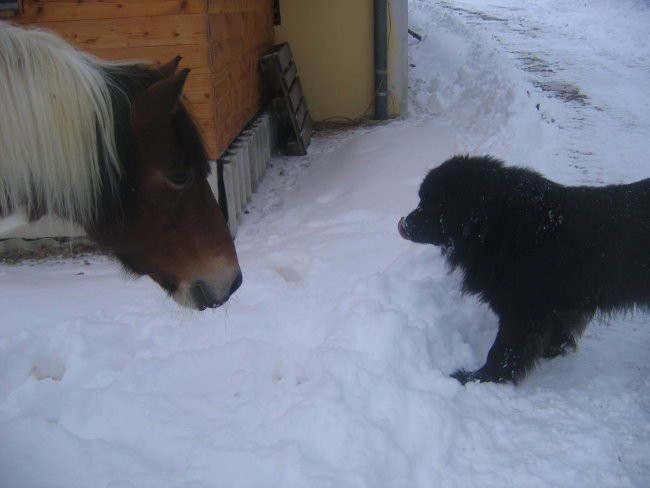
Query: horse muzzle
(204,297)
(205,293)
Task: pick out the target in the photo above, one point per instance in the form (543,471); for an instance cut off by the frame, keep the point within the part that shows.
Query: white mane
(55,121)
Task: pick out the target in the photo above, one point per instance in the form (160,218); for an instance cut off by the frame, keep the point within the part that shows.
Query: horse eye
(179,179)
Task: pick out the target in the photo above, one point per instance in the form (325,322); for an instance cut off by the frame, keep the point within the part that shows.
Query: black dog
(544,256)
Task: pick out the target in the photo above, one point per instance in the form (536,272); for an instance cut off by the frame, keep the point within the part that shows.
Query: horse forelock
(56,126)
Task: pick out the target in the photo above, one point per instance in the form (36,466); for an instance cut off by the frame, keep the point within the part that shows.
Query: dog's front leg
(518,346)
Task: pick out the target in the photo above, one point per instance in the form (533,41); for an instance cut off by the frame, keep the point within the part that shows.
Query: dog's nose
(401,228)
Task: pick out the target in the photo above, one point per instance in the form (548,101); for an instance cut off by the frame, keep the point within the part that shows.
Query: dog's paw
(553,350)
(480,375)
(465,376)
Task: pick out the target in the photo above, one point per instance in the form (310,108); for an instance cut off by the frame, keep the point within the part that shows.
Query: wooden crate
(221,40)
(289,101)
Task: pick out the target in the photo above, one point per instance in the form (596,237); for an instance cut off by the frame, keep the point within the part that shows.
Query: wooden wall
(240,33)
(221,40)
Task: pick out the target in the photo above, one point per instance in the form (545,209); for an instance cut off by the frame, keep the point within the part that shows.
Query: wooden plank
(301,114)
(235,25)
(131,32)
(290,74)
(217,27)
(284,57)
(62,10)
(204,117)
(213,149)
(231,74)
(194,56)
(198,89)
(305,133)
(264,23)
(246,25)
(294,95)
(229,6)
(226,52)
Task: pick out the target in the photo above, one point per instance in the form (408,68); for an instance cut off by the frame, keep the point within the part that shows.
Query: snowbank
(329,367)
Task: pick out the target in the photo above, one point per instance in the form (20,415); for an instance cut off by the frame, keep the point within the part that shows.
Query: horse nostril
(236,284)
(203,296)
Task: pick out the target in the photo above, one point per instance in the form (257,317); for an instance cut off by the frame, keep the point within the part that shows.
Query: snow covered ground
(329,367)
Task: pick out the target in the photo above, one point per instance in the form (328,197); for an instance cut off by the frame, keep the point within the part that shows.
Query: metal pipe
(381,59)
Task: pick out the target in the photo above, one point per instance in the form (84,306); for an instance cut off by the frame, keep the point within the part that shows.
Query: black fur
(544,256)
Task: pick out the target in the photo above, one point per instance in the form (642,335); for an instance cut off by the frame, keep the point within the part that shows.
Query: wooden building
(221,40)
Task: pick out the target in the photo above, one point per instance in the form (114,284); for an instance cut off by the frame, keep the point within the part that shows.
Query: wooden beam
(62,10)
(133,31)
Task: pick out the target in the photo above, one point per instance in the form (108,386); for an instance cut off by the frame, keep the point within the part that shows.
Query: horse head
(172,228)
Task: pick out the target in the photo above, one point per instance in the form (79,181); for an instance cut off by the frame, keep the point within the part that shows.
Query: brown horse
(110,146)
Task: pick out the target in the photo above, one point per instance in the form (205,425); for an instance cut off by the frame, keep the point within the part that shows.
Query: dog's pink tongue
(400,229)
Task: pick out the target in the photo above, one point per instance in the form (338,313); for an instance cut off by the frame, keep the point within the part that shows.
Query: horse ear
(173,89)
(159,101)
(170,67)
